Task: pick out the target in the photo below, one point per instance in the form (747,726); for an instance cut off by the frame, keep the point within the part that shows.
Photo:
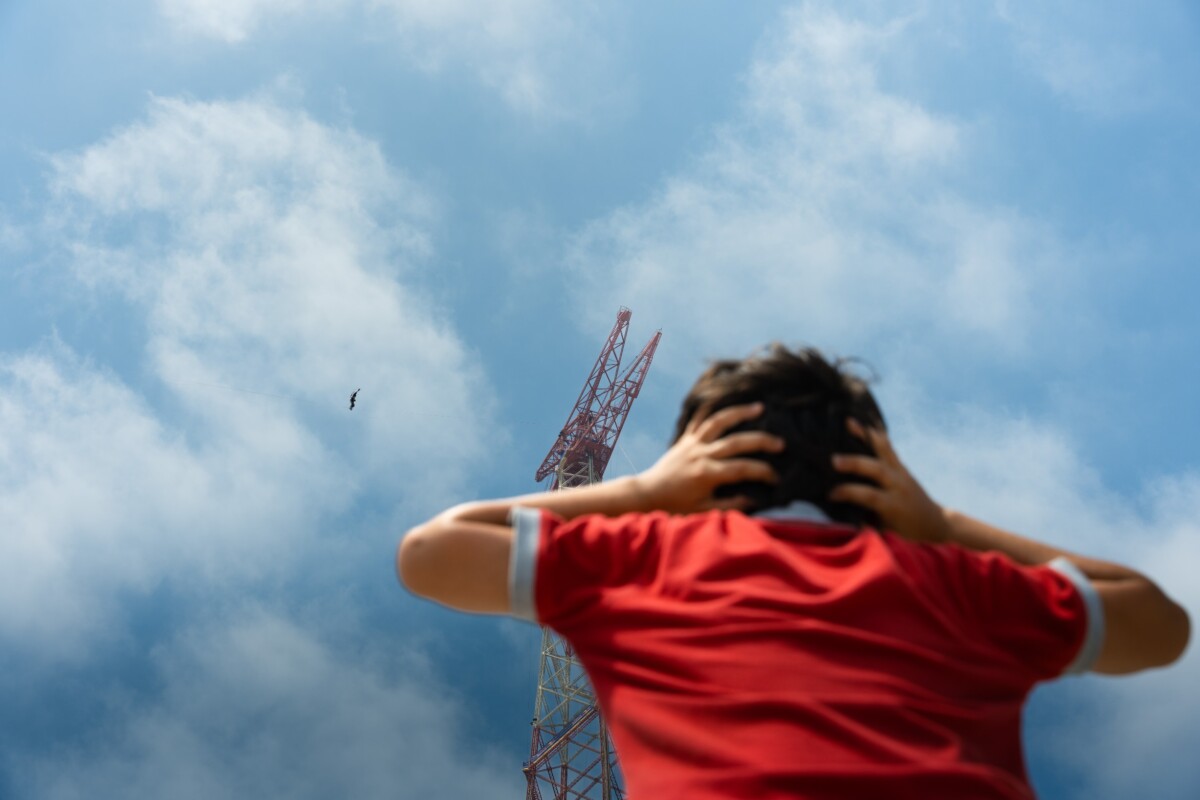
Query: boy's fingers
(859,495)
(736,444)
(883,446)
(876,437)
(701,414)
(721,421)
(863,466)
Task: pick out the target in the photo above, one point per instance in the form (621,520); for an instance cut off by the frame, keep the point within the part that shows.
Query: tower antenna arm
(596,389)
(571,755)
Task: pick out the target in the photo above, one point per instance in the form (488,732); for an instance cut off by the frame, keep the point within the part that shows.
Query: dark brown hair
(807,400)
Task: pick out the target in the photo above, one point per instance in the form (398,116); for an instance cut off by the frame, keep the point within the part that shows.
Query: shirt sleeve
(1093,639)
(558,569)
(1047,618)
(522,563)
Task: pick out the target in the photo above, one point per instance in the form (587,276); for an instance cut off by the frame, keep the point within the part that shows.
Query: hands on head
(704,458)
(902,504)
(684,478)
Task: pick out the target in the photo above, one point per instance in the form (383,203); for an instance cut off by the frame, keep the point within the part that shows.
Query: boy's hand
(901,503)
(683,480)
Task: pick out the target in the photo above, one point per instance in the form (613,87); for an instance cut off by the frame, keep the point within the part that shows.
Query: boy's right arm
(1144,627)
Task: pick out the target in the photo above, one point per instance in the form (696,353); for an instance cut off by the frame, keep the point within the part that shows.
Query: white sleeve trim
(522,563)
(1093,640)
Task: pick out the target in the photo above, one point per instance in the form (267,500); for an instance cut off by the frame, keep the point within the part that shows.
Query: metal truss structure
(571,754)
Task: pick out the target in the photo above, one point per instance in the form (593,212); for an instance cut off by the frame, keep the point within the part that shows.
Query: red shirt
(736,656)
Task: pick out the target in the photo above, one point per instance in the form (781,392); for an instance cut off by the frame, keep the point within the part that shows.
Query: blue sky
(220,218)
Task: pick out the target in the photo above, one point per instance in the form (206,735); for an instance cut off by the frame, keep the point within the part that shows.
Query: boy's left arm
(460,557)
(1141,626)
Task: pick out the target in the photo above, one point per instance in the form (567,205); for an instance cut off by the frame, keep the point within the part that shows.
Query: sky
(219,218)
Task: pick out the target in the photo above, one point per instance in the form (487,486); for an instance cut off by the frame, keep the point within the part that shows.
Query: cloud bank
(544,59)
(275,263)
(271,265)
(278,264)
(1092,65)
(258,706)
(827,212)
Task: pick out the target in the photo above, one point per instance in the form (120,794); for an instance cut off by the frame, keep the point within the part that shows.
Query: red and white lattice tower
(571,755)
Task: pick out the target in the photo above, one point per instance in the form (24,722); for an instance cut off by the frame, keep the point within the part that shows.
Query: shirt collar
(798,510)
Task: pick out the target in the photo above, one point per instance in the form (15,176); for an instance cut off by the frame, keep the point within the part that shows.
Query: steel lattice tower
(571,755)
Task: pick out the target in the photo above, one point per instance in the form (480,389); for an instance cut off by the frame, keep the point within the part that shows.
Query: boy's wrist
(944,532)
(951,517)
(638,495)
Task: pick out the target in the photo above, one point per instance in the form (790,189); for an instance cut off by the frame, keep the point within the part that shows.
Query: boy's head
(807,400)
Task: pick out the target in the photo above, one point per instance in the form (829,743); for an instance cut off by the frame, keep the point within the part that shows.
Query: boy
(777,609)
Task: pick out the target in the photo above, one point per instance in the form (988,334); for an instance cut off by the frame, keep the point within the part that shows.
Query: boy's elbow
(411,555)
(1175,630)
(1181,626)
(1146,628)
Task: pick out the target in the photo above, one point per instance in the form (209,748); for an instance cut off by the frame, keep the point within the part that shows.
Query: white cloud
(234,21)
(273,264)
(12,237)
(100,499)
(280,258)
(258,706)
(1091,59)
(545,59)
(825,214)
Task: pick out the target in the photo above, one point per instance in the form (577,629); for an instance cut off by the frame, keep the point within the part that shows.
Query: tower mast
(571,755)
